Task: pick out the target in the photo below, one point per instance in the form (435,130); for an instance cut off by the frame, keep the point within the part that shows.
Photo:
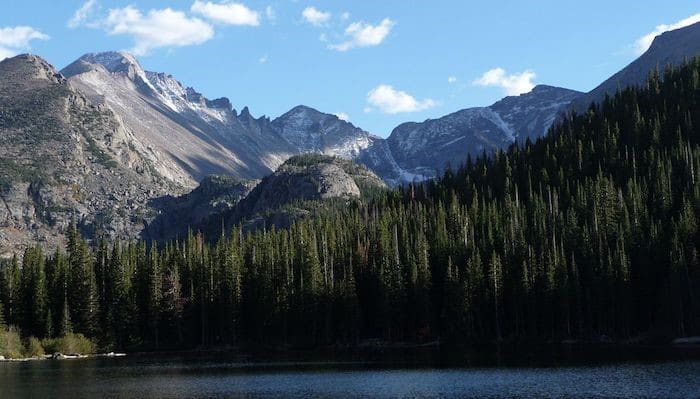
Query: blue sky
(379,62)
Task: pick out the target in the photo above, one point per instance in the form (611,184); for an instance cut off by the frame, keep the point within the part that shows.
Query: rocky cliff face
(62,159)
(215,195)
(183,134)
(307,178)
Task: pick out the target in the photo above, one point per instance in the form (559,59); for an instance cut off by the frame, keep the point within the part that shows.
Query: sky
(375,63)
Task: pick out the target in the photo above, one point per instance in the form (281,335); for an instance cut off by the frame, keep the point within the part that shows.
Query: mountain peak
(112,61)
(31,65)
(245,113)
(680,37)
(303,108)
(669,48)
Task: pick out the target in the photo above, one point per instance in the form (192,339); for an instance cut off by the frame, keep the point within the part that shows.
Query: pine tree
(82,285)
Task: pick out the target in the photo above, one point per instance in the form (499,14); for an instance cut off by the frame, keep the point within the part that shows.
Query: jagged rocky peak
(196,97)
(245,113)
(222,103)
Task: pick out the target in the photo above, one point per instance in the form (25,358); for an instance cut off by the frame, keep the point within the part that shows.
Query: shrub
(34,348)
(70,344)
(11,343)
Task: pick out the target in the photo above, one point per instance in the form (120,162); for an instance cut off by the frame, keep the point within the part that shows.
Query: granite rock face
(307,178)
(64,160)
(176,215)
(185,135)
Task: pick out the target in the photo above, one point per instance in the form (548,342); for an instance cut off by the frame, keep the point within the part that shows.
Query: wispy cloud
(392,101)
(263,59)
(14,39)
(364,35)
(156,28)
(451,79)
(82,13)
(315,17)
(270,14)
(513,84)
(343,116)
(642,44)
(226,13)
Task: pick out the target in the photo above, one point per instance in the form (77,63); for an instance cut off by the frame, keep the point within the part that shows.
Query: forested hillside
(591,231)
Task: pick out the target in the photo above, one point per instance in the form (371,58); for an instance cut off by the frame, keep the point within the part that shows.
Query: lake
(177,377)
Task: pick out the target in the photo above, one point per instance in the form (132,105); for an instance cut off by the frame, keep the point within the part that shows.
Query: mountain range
(99,142)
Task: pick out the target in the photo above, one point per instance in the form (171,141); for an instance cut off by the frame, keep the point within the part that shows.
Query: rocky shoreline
(61,356)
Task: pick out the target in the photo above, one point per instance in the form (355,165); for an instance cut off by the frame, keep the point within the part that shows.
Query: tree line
(589,232)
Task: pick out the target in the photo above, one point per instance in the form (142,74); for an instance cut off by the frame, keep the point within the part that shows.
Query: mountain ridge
(668,48)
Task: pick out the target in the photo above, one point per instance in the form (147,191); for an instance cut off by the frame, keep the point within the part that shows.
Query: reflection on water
(138,377)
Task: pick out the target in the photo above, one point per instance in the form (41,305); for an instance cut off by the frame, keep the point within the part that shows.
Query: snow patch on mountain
(496,119)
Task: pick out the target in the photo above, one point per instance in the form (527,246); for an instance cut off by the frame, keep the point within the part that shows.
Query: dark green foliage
(12,172)
(99,155)
(589,232)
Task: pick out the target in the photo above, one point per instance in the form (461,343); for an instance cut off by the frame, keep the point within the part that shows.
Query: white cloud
(364,35)
(642,44)
(6,53)
(345,16)
(343,116)
(226,13)
(315,17)
(514,84)
(451,80)
(157,28)
(82,13)
(392,101)
(14,39)
(263,59)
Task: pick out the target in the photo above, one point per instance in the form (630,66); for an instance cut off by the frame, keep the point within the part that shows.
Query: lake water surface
(138,377)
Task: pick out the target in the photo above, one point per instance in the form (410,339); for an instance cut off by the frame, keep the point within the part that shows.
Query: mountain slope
(63,159)
(312,131)
(214,195)
(185,135)
(420,150)
(669,48)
